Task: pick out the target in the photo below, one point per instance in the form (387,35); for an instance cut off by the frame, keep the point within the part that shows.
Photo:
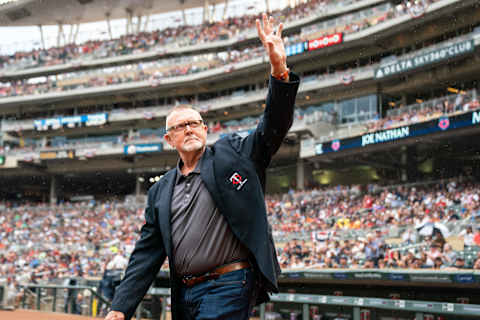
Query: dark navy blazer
(242,204)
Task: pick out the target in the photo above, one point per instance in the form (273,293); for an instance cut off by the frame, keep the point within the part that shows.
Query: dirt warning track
(40,315)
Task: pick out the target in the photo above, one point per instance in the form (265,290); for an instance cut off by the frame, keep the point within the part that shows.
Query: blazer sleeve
(277,119)
(143,266)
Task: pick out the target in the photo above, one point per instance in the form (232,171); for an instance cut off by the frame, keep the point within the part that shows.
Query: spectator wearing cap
(343,262)
(459,263)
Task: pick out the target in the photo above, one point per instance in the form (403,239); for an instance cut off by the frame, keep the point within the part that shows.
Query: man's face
(189,138)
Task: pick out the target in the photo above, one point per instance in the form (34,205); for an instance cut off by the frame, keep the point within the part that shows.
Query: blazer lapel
(208,176)
(164,205)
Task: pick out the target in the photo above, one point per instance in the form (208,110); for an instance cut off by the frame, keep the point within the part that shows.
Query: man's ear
(169,139)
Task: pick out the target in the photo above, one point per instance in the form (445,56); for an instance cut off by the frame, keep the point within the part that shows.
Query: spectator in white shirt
(467,235)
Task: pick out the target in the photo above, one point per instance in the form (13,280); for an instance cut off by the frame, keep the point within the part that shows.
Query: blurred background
(374,194)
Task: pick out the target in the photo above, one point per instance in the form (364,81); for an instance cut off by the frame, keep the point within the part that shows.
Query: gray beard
(193,145)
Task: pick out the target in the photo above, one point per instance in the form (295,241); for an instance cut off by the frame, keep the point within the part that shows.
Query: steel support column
(225,9)
(41,36)
(109,25)
(53,191)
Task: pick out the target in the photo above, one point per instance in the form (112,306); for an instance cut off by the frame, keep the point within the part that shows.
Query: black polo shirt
(201,237)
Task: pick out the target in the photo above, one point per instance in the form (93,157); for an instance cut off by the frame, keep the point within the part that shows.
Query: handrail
(305,300)
(93,294)
(419,307)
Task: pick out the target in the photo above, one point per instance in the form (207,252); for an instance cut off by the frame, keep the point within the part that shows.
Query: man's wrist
(281,75)
(280,69)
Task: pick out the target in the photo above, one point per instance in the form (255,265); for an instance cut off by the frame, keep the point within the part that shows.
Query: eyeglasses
(182,126)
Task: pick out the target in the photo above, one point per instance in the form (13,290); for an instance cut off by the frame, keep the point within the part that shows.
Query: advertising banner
(297,48)
(382,275)
(57,154)
(97,119)
(143,148)
(414,130)
(420,60)
(326,41)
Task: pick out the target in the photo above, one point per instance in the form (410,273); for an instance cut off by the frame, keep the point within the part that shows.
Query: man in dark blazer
(208,215)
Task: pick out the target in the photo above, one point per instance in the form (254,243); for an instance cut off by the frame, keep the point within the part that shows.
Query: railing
(358,305)
(420,308)
(3,293)
(40,299)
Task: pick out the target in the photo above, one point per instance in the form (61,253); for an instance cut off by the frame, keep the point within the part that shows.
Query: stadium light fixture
(152,180)
(391,104)
(452,90)
(419,101)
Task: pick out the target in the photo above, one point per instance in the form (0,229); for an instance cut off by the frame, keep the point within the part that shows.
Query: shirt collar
(179,167)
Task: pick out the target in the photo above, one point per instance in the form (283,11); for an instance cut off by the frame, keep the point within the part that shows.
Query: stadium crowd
(425,111)
(40,242)
(348,227)
(165,68)
(186,35)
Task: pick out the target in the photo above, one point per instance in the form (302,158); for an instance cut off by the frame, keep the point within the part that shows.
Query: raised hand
(273,43)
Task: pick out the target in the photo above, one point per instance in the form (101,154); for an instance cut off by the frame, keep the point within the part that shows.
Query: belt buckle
(213,275)
(185,279)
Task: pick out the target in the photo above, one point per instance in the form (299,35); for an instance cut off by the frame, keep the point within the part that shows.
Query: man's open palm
(273,43)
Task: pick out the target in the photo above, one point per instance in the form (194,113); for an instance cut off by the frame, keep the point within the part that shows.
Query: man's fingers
(270,25)
(115,315)
(260,32)
(264,19)
(279,30)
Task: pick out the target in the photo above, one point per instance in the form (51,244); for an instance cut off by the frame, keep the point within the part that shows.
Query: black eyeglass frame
(182,126)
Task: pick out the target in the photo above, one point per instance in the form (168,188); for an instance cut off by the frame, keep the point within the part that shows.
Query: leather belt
(190,281)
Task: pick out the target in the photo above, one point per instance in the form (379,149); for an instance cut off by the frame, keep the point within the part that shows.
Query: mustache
(192,137)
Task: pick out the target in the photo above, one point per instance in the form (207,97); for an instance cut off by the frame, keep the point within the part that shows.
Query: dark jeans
(228,297)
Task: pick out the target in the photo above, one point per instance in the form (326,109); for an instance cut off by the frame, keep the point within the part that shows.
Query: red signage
(326,41)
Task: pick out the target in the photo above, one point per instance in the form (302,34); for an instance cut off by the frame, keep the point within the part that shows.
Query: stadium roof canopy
(53,12)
